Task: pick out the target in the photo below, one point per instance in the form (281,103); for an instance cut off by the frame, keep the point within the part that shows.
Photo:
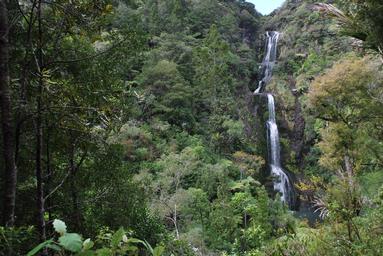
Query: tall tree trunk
(49,172)
(21,116)
(75,202)
(39,136)
(39,176)
(7,122)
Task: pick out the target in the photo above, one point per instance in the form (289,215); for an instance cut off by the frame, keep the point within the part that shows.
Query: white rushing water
(282,183)
(269,59)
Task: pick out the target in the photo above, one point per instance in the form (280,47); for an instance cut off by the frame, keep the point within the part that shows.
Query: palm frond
(331,10)
(320,206)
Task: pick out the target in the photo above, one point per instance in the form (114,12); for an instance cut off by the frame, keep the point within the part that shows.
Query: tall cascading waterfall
(269,60)
(282,182)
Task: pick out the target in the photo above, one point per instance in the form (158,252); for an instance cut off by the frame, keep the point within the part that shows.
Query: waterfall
(269,59)
(282,182)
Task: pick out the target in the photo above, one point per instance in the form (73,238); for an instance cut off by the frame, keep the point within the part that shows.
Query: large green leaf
(135,241)
(54,247)
(158,251)
(39,247)
(117,238)
(71,242)
(87,244)
(148,246)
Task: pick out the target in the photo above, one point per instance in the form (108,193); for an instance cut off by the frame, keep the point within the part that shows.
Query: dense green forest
(131,127)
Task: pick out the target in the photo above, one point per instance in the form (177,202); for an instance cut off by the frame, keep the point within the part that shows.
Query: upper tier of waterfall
(269,59)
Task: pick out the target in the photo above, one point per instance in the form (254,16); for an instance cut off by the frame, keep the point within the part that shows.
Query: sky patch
(266,6)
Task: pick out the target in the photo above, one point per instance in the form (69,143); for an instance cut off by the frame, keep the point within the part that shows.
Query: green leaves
(87,244)
(117,244)
(117,238)
(71,242)
(359,19)
(158,251)
(104,252)
(343,97)
(35,250)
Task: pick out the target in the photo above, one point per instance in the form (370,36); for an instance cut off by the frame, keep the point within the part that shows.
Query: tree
(8,149)
(361,19)
(169,96)
(170,184)
(347,98)
(249,165)
(63,90)
(197,206)
(224,220)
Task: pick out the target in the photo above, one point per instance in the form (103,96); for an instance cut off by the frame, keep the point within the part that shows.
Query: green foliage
(261,211)
(343,98)
(370,183)
(113,244)
(179,247)
(148,124)
(169,96)
(71,242)
(16,239)
(363,20)
(38,248)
